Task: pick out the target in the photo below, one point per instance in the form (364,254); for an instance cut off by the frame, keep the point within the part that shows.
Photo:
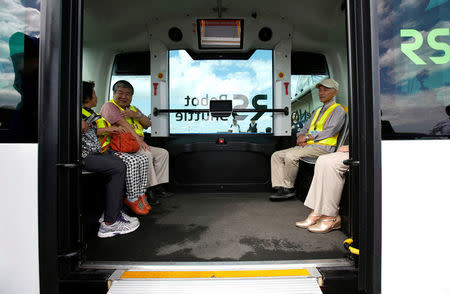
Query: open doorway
(221,210)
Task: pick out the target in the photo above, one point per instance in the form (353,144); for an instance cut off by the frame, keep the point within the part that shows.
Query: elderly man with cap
(317,137)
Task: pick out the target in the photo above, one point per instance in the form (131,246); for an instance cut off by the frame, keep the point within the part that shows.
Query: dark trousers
(114,170)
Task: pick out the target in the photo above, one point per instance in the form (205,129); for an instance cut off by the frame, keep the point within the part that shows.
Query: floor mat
(216,227)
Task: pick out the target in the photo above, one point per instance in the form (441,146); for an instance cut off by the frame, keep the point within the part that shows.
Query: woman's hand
(84,126)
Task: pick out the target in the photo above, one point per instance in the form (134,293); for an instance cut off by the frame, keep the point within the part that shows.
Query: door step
(219,280)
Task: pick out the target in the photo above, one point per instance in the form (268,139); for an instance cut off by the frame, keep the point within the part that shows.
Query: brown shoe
(311,220)
(143,199)
(137,206)
(326,224)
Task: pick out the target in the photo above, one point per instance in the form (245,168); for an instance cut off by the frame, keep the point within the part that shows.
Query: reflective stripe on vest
(317,125)
(85,113)
(134,122)
(104,139)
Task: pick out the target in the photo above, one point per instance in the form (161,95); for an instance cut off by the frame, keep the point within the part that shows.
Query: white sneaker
(120,227)
(125,216)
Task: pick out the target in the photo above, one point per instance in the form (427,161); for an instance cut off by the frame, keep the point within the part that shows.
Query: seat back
(344,132)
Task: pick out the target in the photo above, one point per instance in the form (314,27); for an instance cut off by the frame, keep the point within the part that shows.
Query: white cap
(329,83)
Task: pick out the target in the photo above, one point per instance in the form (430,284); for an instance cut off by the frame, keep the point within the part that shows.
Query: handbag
(124,142)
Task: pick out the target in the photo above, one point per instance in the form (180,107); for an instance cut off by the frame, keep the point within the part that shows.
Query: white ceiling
(313,25)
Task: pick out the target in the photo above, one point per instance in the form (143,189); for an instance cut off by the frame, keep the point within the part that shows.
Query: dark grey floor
(215,227)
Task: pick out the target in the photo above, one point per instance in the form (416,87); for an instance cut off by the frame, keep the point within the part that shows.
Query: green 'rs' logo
(409,48)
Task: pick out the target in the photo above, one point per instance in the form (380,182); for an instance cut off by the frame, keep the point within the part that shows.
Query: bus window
(19,64)
(304,83)
(414,69)
(193,83)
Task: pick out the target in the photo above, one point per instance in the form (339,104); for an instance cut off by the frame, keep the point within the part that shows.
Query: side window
(307,69)
(135,68)
(19,68)
(247,83)
(414,56)
(301,84)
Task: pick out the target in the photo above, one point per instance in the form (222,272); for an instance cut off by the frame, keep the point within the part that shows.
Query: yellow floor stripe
(212,274)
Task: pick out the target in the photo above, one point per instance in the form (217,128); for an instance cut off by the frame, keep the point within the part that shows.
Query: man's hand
(143,145)
(129,113)
(301,140)
(343,148)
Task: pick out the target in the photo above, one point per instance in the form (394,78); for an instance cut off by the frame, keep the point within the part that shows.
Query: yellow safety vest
(134,122)
(105,138)
(317,125)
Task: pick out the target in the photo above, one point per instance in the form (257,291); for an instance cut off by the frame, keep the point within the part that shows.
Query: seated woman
(137,164)
(114,221)
(325,192)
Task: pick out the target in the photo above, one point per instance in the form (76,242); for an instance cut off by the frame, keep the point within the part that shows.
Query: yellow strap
(313,123)
(85,112)
(104,138)
(352,249)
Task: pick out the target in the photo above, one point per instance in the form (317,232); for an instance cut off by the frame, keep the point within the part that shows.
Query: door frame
(58,140)
(365,140)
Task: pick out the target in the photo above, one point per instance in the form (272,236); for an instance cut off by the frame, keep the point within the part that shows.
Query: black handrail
(157,111)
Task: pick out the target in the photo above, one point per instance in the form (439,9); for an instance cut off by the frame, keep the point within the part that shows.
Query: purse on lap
(124,142)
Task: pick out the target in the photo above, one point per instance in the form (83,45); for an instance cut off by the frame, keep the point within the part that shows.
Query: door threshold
(216,265)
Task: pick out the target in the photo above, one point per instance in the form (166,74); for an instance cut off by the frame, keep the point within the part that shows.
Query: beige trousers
(326,188)
(158,165)
(284,164)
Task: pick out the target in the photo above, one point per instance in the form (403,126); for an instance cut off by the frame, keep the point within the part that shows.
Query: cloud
(406,4)
(196,79)
(9,97)
(4,50)
(17,18)
(212,78)
(14,17)
(415,112)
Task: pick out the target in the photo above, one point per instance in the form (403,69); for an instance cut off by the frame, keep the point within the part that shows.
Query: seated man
(325,193)
(252,127)
(317,137)
(120,112)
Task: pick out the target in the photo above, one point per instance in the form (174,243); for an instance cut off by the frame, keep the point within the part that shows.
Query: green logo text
(409,48)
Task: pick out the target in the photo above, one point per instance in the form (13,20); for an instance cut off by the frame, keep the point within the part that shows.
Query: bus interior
(259,54)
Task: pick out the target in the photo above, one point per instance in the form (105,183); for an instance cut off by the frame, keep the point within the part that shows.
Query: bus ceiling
(314,26)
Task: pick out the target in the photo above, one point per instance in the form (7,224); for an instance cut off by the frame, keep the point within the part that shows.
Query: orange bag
(124,142)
